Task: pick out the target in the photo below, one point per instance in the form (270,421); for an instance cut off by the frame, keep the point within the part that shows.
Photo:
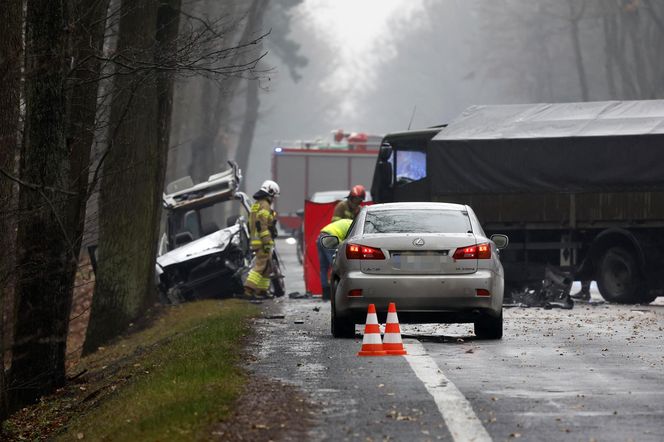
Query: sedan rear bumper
(421,298)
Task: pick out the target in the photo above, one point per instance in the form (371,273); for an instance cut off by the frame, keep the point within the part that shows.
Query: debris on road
(274,317)
(299,295)
(554,292)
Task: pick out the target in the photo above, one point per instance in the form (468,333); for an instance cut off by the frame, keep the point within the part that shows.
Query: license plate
(432,261)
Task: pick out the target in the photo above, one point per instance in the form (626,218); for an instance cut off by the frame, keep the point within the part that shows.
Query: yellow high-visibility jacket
(260,219)
(338,228)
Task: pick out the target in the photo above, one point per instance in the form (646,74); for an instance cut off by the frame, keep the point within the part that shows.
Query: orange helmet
(358,191)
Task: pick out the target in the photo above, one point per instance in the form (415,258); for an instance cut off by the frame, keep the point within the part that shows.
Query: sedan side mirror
(501,241)
(330,242)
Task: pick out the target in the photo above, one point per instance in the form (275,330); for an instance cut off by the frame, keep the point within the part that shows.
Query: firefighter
(338,228)
(350,207)
(262,223)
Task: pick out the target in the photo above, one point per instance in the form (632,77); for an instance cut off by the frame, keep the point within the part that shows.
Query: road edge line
(462,422)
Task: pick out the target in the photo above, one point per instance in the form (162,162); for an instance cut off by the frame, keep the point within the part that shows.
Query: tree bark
(248,125)
(88,41)
(168,24)
(46,257)
(576,16)
(252,100)
(11,15)
(124,285)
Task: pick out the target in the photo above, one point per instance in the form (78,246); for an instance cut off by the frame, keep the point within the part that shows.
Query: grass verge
(168,382)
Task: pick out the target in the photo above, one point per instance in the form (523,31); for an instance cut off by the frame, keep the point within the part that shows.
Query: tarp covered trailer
(578,185)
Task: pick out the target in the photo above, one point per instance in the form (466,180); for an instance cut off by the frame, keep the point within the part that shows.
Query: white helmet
(270,187)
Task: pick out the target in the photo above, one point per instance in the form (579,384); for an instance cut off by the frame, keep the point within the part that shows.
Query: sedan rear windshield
(417,221)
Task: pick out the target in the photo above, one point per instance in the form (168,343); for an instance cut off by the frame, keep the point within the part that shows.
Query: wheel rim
(617,276)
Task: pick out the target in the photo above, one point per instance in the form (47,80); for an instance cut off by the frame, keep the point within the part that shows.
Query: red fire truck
(304,167)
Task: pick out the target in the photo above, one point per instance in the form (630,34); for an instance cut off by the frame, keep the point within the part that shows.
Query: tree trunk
(253,101)
(168,24)
(11,15)
(46,258)
(248,125)
(88,43)
(576,45)
(128,188)
(609,26)
(208,152)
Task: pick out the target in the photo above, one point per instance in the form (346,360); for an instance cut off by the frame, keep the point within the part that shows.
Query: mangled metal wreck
(197,259)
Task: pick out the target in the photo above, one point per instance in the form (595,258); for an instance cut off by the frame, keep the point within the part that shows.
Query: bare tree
(149,54)
(11,15)
(62,71)
(129,181)
(47,256)
(576,12)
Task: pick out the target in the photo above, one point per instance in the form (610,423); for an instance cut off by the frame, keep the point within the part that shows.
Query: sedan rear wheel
(489,327)
(341,327)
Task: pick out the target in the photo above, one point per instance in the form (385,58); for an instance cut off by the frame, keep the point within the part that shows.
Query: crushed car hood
(214,243)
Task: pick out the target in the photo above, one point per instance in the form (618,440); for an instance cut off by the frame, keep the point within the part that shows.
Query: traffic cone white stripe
(371,338)
(392,338)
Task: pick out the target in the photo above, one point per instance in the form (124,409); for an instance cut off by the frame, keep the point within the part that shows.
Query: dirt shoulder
(267,410)
(184,377)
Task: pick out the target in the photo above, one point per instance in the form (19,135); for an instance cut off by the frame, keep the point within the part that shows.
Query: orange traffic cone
(371,343)
(392,342)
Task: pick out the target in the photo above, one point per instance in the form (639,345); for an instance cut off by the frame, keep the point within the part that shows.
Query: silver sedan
(432,259)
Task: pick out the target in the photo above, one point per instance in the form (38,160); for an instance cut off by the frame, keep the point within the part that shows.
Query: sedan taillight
(478,251)
(357,251)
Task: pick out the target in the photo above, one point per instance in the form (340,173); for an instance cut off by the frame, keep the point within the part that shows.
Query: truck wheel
(341,327)
(647,298)
(489,327)
(618,277)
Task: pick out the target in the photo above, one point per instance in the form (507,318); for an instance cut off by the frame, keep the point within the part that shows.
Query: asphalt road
(595,372)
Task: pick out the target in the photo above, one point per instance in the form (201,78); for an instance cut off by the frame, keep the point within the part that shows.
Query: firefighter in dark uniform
(350,207)
(262,222)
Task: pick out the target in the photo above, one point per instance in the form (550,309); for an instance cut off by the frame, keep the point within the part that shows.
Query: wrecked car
(198,259)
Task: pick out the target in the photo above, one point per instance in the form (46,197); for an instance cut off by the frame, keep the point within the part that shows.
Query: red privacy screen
(316,216)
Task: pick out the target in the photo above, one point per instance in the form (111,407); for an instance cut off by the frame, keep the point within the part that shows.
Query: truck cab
(401,167)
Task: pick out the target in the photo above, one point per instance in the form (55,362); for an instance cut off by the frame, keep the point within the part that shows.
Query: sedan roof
(416,206)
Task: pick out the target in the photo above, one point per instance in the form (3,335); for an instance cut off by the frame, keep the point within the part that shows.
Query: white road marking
(461,420)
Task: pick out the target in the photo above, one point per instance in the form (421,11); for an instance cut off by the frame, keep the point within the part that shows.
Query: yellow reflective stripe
(264,212)
(255,278)
(264,233)
(256,242)
(336,218)
(264,284)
